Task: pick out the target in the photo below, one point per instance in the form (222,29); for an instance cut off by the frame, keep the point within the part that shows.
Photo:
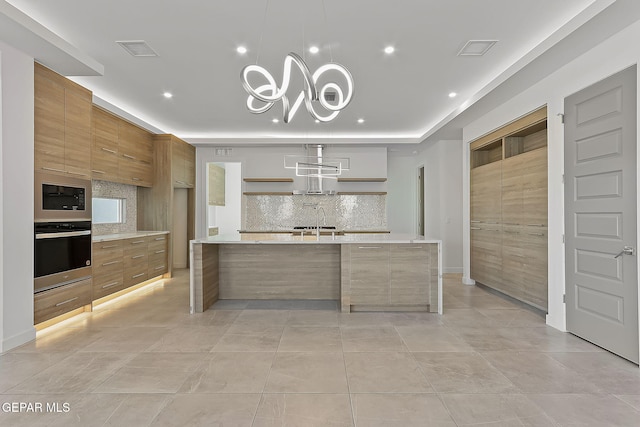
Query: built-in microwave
(61,198)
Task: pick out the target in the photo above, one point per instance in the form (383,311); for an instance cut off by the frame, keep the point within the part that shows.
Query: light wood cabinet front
(157,252)
(61,300)
(48,124)
(486,191)
(62,124)
(534,187)
(509,211)
(122,263)
(104,152)
(370,274)
(409,274)
(135,155)
(182,163)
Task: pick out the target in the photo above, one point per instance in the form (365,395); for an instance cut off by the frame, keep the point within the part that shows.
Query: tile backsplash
(345,212)
(119,191)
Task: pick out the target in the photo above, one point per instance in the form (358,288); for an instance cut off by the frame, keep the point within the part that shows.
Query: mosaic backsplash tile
(119,191)
(345,212)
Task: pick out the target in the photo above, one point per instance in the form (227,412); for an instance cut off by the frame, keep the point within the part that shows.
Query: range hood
(315,166)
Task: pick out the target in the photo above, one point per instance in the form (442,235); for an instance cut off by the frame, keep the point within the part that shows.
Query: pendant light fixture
(313,95)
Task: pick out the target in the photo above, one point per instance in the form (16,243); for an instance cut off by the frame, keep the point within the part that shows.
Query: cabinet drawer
(54,302)
(159,256)
(107,267)
(107,284)
(133,276)
(105,253)
(136,259)
(134,247)
(108,249)
(156,243)
(157,268)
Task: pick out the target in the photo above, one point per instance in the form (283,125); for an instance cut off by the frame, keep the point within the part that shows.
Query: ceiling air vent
(137,48)
(223,152)
(476,47)
(330,96)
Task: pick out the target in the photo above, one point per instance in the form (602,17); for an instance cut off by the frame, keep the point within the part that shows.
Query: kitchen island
(364,272)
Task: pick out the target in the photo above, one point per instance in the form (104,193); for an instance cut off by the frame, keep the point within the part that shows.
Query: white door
(600,214)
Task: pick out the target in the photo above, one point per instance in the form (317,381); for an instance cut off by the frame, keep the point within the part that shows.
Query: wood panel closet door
(486,193)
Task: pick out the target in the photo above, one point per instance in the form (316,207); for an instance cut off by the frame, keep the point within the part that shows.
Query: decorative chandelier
(315,164)
(270,93)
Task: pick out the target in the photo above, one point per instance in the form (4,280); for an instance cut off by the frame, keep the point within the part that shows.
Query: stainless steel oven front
(61,198)
(62,253)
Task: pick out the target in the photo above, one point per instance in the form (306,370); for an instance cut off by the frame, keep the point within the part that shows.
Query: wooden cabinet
(486,190)
(216,176)
(108,268)
(486,253)
(135,260)
(388,276)
(509,210)
(534,188)
(370,274)
(135,155)
(62,124)
(122,263)
(173,159)
(535,247)
(121,151)
(183,168)
(104,150)
(61,300)
(157,252)
(409,273)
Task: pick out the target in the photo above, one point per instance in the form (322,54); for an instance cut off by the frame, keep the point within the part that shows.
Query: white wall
(443,199)
(16,194)
(615,54)
(402,193)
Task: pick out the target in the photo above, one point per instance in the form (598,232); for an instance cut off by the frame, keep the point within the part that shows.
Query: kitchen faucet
(324,216)
(324,220)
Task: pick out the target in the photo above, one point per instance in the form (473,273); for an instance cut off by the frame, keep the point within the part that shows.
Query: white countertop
(119,236)
(311,239)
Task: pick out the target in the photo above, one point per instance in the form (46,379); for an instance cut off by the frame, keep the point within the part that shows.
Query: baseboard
(452,270)
(18,340)
(468,281)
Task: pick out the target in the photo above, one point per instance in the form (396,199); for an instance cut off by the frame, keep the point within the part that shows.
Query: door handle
(628,250)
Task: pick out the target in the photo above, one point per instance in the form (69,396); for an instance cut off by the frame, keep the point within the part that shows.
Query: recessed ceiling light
(167,95)
(314,49)
(241,50)
(389,50)
(453,95)
(360,120)
(275,120)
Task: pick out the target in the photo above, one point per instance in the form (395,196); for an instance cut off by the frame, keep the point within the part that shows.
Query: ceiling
(403,97)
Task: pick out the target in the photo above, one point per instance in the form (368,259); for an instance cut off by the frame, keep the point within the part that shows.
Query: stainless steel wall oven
(62,230)
(62,253)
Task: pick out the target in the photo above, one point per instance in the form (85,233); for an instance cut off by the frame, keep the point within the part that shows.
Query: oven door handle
(67,234)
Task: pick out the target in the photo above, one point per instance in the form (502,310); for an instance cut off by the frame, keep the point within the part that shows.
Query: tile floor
(146,361)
